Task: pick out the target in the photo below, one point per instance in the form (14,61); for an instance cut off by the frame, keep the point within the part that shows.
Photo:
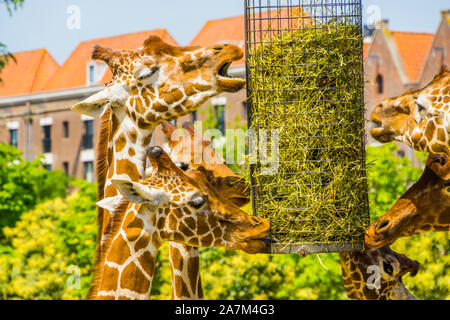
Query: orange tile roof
(413,49)
(72,74)
(31,72)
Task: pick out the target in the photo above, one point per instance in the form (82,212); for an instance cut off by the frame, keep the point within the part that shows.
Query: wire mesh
(305,91)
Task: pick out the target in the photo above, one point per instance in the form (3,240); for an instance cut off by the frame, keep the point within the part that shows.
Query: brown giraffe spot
(207,240)
(110,278)
(193,270)
(160,223)
(111,170)
(172,97)
(441,135)
(438,121)
(173,222)
(119,251)
(193,242)
(110,191)
(139,106)
(446,99)
(185,230)
(438,148)
(217,232)
(131,152)
(202,227)
(147,262)
(159,107)
(133,279)
(133,228)
(125,166)
(190,222)
(435,92)
(178,237)
(189,89)
(179,110)
(369,294)
(177,259)
(150,117)
(188,103)
(114,124)
(355,276)
(143,124)
(142,243)
(180,287)
(134,91)
(429,131)
(132,134)
(133,116)
(120,142)
(439,106)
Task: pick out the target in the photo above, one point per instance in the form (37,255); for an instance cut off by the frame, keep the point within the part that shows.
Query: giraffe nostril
(218,48)
(382,225)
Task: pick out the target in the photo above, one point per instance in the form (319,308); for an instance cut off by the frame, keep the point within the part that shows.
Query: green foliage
(24,184)
(49,246)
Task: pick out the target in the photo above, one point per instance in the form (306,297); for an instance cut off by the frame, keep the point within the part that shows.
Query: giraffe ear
(110,203)
(93,106)
(140,193)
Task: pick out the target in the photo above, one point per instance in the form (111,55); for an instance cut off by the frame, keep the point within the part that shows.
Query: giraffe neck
(126,159)
(127,267)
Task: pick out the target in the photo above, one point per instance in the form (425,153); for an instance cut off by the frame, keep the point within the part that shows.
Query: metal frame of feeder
(253,26)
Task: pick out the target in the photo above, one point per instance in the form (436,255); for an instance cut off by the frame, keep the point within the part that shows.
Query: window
(13,139)
(91,74)
(245,109)
(379,81)
(66,129)
(66,167)
(88,136)
(48,167)
(89,171)
(47,141)
(219,113)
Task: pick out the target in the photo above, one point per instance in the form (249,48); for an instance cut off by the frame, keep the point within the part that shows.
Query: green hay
(314,98)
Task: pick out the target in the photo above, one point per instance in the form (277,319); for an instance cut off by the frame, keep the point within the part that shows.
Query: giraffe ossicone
(419,118)
(424,207)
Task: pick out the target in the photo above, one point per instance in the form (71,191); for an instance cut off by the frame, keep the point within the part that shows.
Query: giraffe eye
(148,74)
(388,268)
(197,201)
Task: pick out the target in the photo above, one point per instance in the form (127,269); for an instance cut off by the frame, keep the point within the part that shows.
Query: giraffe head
(419,118)
(376,274)
(190,151)
(422,208)
(160,82)
(188,207)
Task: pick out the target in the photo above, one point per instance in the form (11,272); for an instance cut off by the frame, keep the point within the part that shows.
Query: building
(37,94)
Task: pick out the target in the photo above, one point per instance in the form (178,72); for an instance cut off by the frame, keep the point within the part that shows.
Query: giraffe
(152,84)
(424,207)
(419,118)
(392,265)
(359,267)
(169,205)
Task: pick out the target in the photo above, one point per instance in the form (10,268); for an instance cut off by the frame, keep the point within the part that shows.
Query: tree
(52,249)
(24,184)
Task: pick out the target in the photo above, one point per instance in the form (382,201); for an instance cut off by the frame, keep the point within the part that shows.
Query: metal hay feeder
(304,62)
